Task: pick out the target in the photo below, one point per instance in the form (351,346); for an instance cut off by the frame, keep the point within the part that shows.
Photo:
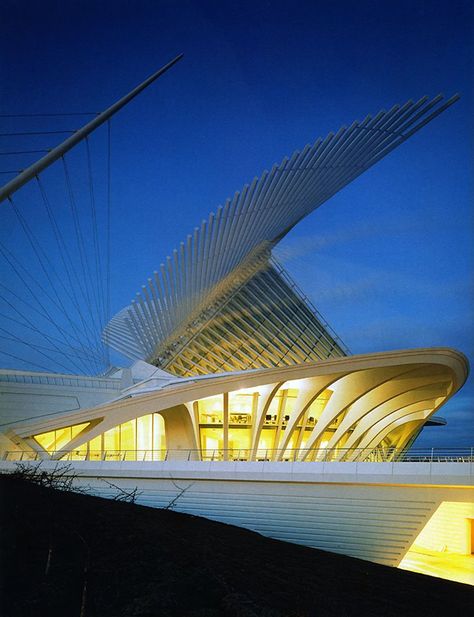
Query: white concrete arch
(347,391)
(366,390)
(399,401)
(407,417)
(382,393)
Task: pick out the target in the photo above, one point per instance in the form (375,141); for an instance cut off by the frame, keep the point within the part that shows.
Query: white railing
(376,455)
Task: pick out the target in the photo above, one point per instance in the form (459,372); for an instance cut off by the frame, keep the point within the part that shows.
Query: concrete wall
(371,511)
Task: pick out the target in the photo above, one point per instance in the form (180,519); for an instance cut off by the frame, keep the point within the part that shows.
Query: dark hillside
(159,563)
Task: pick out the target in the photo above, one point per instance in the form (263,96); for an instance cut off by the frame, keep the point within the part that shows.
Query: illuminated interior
(140,439)
(57,439)
(353,417)
(445,545)
(227,423)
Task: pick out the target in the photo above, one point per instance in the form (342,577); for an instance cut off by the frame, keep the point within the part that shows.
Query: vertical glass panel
(317,407)
(59,438)
(321,451)
(46,440)
(77,428)
(95,448)
(290,401)
(127,439)
(241,406)
(239,443)
(290,453)
(63,436)
(112,439)
(272,415)
(212,443)
(211,410)
(306,435)
(78,454)
(265,444)
(159,437)
(144,435)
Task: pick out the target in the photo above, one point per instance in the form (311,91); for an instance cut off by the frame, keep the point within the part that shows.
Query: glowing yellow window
(144,433)
(112,439)
(239,442)
(317,407)
(53,441)
(159,437)
(241,407)
(212,443)
(211,410)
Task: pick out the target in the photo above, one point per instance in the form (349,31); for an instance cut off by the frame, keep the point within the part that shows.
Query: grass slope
(158,563)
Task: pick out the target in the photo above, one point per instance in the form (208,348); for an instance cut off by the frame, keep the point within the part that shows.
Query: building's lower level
(317,453)
(373,511)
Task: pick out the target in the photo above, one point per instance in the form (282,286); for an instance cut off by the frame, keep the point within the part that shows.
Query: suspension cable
(95,236)
(42,258)
(108,223)
(68,267)
(80,244)
(3,252)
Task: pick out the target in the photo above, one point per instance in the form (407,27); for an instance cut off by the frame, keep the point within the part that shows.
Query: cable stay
(55,292)
(46,266)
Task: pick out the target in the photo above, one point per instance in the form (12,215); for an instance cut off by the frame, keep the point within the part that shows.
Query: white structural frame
(174,321)
(371,396)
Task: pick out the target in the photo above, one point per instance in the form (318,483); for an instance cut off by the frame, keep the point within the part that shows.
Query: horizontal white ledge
(442,474)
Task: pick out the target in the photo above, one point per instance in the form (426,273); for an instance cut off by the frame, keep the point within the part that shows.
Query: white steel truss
(219,302)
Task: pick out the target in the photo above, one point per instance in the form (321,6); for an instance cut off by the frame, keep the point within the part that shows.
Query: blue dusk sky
(388,260)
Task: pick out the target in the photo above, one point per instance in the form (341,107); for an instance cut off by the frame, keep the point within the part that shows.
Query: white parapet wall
(373,511)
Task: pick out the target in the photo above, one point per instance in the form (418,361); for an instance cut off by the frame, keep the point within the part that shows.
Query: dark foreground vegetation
(69,554)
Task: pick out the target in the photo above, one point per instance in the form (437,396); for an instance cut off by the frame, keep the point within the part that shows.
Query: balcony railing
(377,455)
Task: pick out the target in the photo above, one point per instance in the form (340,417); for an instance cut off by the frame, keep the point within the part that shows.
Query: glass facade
(265,322)
(229,426)
(136,440)
(227,422)
(57,439)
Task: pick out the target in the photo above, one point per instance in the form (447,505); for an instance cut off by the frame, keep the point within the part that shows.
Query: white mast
(57,152)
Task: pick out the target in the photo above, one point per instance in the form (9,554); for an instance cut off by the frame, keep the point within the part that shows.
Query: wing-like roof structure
(220,302)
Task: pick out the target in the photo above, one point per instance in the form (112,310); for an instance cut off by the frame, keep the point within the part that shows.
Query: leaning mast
(56,153)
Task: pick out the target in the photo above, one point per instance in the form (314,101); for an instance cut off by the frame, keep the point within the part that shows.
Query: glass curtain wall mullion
(179,366)
(243,346)
(264,342)
(318,331)
(302,429)
(224,358)
(241,330)
(281,414)
(182,358)
(225,397)
(119,442)
(291,332)
(199,354)
(255,320)
(239,363)
(336,344)
(265,324)
(302,312)
(205,344)
(284,320)
(278,338)
(57,439)
(269,354)
(211,426)
(299,331)
(199,362)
